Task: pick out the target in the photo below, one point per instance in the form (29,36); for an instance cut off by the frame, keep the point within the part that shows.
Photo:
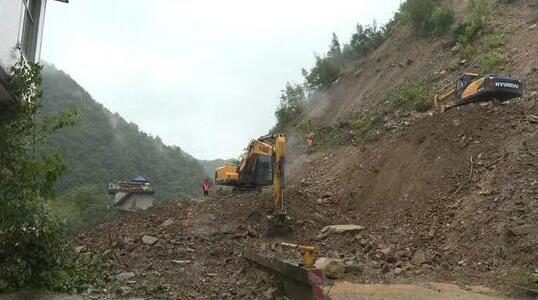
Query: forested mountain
(102,147)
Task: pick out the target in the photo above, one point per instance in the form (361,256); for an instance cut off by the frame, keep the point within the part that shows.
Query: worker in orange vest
(205,187)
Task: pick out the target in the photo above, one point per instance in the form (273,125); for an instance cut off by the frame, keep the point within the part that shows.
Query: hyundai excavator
(261,165)
(470,88)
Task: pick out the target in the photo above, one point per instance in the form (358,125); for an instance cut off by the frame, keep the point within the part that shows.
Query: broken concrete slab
(339,229)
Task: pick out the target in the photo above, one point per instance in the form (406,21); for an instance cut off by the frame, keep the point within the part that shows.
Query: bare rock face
(339,229)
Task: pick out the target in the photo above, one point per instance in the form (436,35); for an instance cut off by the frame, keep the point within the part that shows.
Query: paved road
(433,291)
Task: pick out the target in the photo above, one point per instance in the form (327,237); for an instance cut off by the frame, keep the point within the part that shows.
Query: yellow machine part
(472,88)
(231,174)
(309,252)
(444,97)
(226,174)
(278,182)
(271,147)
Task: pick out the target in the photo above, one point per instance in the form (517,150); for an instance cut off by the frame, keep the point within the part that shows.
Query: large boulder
(330,267)
(149,240)
(340,229)
(419,258)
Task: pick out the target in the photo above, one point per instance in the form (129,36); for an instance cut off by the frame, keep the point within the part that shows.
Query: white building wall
(11,17)
(40,30)
(11,26)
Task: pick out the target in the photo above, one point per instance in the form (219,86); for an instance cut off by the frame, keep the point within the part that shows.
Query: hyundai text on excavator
(261,165)
(470,88)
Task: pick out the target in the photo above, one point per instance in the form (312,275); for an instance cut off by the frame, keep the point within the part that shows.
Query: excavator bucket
(279,226)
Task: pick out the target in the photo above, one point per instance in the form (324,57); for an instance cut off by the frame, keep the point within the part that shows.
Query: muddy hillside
(449,197)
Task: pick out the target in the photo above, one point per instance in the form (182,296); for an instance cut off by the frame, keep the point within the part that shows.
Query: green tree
(323,74)
(335,51)
(292,99)
(366,39)
(32,250)
(426,17)
(442,20)
(478,24)
(482,12)
(82,206)
(418,13)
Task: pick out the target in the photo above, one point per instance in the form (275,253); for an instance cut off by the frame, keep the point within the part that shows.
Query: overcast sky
(203,75)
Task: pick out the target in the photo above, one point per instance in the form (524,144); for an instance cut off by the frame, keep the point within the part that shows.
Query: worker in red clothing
(309,140)
(205,187)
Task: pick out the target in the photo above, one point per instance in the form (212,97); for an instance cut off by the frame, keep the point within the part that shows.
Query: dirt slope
(196,254)
(405,59)
(463,197)
(451,197)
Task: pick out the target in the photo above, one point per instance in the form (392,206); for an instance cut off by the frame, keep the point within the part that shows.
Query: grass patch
(364,127)
(469,52)
(331,136)
(306,127)
(367,127)
(412,98)
(493,41)
(489,61)
(524,283)
(357,129)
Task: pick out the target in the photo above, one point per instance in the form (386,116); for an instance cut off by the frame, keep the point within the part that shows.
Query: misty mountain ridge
(102,147)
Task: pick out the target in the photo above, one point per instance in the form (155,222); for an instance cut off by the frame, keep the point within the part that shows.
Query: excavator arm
(279,159)
(262,164)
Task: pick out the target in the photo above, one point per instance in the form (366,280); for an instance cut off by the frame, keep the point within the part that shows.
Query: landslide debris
(188,250)
(449,197)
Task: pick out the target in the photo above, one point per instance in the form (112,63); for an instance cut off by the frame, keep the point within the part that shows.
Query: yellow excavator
(470,88)
(261,165)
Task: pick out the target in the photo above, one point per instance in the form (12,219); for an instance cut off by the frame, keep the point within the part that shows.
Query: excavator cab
(260,174)
(463,82)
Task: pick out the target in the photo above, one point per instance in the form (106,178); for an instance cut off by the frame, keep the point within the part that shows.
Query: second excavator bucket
(279,226)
